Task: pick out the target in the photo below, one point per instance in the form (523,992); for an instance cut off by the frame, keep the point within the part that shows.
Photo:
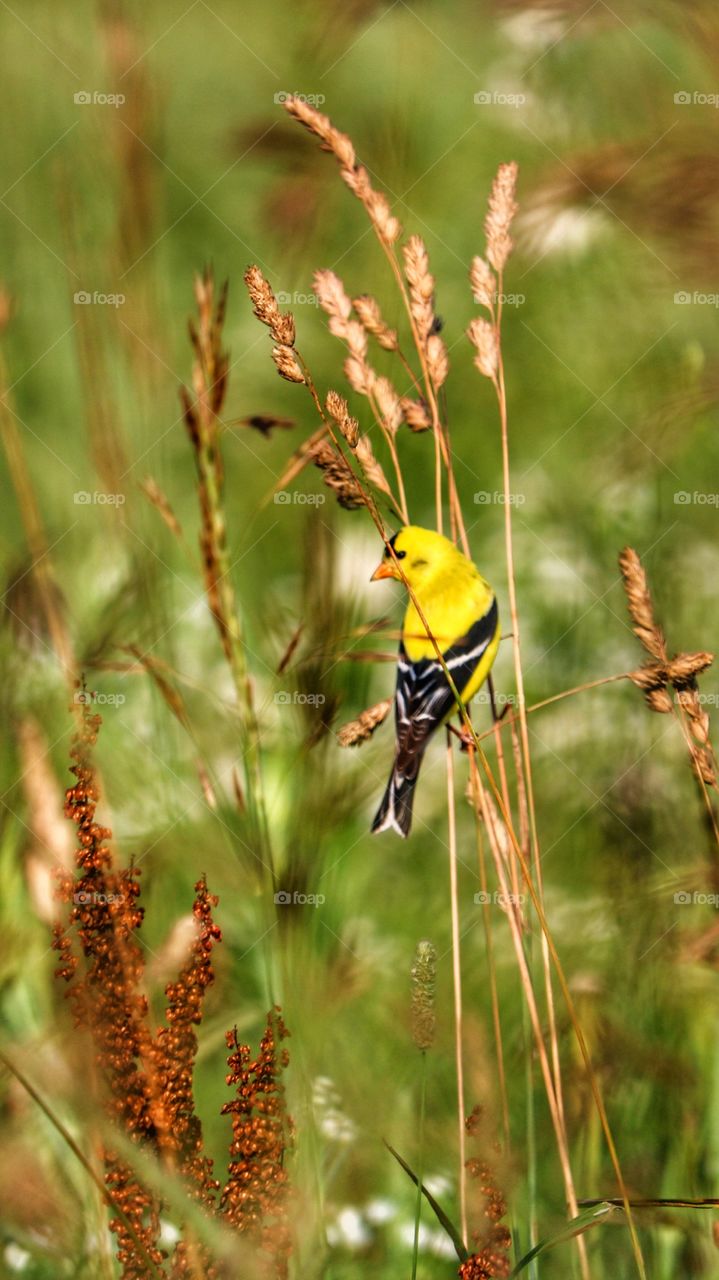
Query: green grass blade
(442,1217)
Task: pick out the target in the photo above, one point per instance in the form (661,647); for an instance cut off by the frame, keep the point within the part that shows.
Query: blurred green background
(610,348)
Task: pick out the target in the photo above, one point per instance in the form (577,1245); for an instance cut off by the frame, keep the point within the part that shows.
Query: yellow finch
(460,610)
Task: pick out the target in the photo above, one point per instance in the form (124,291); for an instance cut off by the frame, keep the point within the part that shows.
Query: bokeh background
(143,142)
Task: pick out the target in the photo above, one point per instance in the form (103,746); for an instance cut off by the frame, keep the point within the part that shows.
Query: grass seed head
(501,210)
(336,407)
(287,364)
(483,337)
(424,982)
(359,730)
(639,602)
(483,282)
(368,310)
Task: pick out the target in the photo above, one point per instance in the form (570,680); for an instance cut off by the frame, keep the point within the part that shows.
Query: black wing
(424,698)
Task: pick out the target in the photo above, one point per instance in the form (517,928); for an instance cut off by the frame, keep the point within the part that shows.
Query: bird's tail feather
(395,811)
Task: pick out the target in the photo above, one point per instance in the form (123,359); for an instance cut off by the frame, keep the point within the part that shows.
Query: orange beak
(385,569)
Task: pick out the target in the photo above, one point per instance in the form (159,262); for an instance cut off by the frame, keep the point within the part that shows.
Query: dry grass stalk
(421,286)
(209,383)
(291,649)
(281,324)
(361,729)
(301,458)
(201,411)
(383,398)
(159,500)
(355,175)
(421,300)
(481,797)
(389,405)
(335,302)
(430,347)
(371,467)
(456,983)
(486,338)
(680,672)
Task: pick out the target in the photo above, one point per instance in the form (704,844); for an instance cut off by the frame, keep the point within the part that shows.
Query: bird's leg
(496,715)
(463,733)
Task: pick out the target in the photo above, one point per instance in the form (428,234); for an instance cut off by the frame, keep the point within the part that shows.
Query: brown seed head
(281,324)
(639,601)
(322,127)
(359,730)
(338,475)
(685,667)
